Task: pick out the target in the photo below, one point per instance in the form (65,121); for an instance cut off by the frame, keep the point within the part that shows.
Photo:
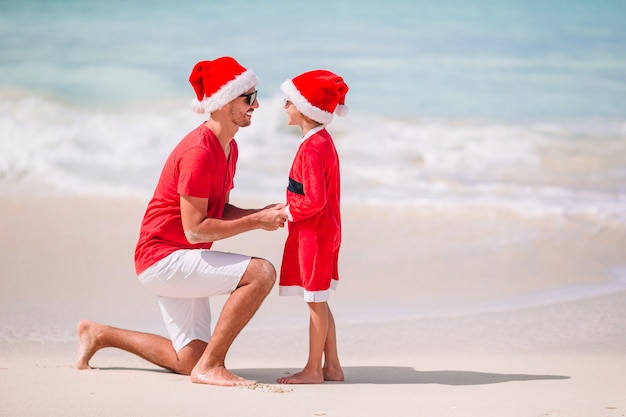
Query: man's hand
(272,217)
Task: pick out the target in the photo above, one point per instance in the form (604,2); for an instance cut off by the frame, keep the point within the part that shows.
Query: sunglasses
(250,98)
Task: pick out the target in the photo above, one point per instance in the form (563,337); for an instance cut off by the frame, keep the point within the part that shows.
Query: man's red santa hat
(219,82)
(317,94)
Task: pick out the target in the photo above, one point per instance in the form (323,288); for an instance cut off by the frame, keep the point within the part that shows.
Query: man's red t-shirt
(197,167)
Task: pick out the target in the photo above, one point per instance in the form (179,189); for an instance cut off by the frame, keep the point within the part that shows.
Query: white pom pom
(341,110)
(197,106)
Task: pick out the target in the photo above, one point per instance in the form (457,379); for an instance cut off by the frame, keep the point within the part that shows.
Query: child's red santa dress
(310,259)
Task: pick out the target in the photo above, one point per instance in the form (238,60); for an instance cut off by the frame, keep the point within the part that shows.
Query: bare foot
(303,377)
(333,374)
(87,334)
(219,376)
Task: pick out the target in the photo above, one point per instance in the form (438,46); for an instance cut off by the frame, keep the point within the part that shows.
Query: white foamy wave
(575,168)
(85,151)
(537,169)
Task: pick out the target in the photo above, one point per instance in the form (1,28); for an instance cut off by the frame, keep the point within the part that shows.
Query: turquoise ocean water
(512,60)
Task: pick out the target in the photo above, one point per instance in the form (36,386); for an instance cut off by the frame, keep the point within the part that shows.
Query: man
(189,210)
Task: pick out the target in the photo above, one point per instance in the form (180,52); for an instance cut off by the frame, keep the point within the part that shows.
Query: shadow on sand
(401,375)
(122,368)
(382,375)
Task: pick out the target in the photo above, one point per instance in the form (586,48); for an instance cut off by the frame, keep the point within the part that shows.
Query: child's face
(294,116)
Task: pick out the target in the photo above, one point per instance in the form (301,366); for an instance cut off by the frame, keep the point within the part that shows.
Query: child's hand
(285,211)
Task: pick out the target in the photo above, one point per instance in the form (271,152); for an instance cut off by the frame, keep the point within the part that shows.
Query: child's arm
(306,194)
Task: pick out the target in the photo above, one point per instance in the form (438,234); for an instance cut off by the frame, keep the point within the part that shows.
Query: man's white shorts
(183,283)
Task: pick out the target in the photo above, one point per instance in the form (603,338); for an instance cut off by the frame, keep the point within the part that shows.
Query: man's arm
(233,212)
(199,228)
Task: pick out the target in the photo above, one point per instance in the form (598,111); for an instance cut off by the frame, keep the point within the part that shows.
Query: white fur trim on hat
(303,105)
(227,93)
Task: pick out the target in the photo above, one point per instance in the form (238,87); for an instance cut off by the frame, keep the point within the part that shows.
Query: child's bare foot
(219,376)
(334,374)
(87,342)
(303,377)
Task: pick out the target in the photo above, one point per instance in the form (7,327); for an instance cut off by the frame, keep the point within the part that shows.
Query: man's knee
(267,272)
(260,271)
(189,356)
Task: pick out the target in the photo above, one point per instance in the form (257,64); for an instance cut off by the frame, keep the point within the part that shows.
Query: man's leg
(241,305)
(153,348)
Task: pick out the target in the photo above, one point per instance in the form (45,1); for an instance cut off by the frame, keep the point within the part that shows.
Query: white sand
(439,314)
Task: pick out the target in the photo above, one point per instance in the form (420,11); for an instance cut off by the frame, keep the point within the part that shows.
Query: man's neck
(225,132)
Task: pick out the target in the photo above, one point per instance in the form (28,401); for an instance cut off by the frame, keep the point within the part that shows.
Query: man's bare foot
(333,374)
(87,336)
(302,377)
(219,376)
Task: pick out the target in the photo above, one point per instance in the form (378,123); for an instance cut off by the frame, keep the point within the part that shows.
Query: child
(309,266)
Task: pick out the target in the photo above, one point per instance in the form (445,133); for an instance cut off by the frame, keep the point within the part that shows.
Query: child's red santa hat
(219,82)
(317,94)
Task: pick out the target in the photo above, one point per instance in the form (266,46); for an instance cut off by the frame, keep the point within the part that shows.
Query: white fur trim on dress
(309,296)
(227,93)
(303,106)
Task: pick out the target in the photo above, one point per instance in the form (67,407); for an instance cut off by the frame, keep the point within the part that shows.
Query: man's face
(240,111)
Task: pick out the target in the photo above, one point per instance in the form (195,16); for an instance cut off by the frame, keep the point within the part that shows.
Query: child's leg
(332,367)
(318,331)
